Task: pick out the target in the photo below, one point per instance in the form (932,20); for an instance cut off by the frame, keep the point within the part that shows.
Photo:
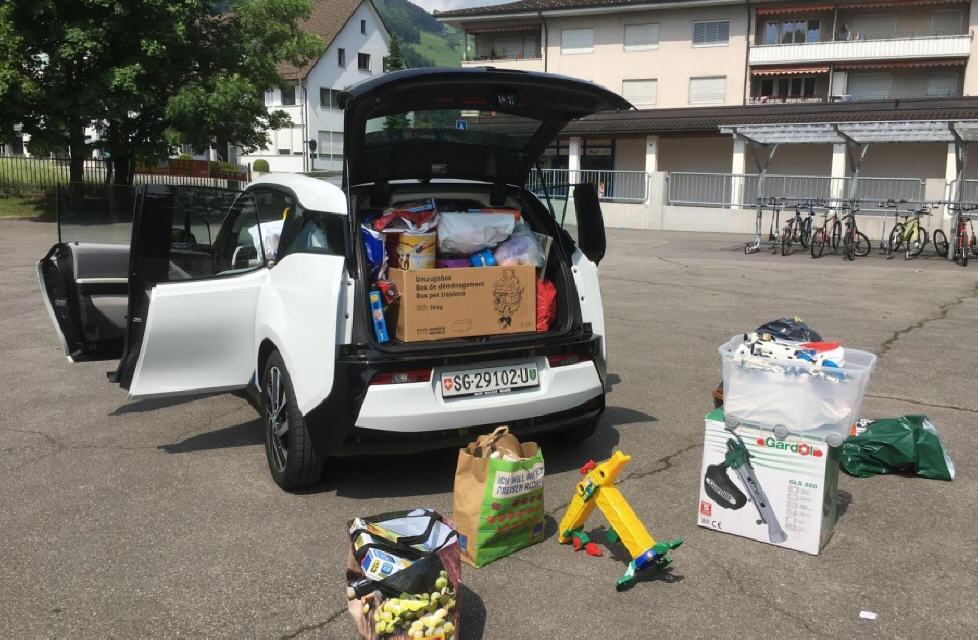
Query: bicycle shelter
(764,140)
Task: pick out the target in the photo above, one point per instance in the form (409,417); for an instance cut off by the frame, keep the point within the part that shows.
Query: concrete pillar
(838,187)
(651,163)
(738,167)
(574,159)
(950,171)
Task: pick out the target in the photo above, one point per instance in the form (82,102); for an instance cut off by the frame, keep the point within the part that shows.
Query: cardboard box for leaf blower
(437,304)
(754,485)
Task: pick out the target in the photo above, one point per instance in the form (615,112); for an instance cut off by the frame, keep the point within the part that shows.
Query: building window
(947,22)
(327,98)
(875,26)
(284,152)
(341,57)
(641,93)
(574,41)
(870,86)
(288,96)
(710,90)
(791,31)
(941,84)
(641,37)
(363,61)
(270,98)
(363,27)
(711,33)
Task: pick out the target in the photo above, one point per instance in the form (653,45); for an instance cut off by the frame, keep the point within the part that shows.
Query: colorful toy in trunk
(598,490)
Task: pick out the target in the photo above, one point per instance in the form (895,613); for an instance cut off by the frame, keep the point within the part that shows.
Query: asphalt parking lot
(159,519)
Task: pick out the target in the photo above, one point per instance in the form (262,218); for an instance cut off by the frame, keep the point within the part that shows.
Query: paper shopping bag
(498,502)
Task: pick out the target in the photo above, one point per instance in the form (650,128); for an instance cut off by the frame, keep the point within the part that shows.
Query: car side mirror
(590,223)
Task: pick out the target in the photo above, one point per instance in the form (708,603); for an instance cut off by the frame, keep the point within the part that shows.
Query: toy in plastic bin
(598,489)
(377,313)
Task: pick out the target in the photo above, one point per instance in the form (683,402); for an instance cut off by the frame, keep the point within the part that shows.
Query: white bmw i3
(266,289)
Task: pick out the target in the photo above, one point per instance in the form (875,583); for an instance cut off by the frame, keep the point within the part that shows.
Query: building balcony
(521,64)
(933,46)
(786,99)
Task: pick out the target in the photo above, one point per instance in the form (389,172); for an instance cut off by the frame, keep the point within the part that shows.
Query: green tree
(395,58)
(395,62)
(149,73)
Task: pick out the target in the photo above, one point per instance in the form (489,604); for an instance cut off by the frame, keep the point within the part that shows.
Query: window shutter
(639,37)
(577,40)
(723,31)
(943,83)
(711,32)
(869,85)
(707,90)
(639,92)
(875,26)
(839,83)
(947,22)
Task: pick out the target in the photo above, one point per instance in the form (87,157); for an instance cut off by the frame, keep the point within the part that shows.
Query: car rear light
(564,359)
(402,377)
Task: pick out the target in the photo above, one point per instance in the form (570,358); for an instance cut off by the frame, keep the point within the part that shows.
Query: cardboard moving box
(437,304)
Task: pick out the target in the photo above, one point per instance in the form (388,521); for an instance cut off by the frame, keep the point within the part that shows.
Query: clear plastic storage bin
(792,396)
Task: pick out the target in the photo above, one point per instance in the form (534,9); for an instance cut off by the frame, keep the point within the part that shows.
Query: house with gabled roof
(357,43)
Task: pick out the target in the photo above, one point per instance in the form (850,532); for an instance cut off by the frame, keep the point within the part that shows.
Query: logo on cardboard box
(802,448)
(706,508)
(507,297)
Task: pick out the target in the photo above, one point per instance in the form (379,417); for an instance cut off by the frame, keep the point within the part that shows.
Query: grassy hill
(426,42)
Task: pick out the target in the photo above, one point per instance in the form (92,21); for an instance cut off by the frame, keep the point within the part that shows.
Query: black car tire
(292,460)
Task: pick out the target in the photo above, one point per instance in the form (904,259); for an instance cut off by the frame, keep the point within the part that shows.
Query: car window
(313,232)
(212,233)
(95,213)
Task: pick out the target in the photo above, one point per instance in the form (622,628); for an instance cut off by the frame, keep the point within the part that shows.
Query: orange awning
(912,64)
(795,9)
(789,71)
(775,11)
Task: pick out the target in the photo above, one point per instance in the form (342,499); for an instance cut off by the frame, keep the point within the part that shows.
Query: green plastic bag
(897,445)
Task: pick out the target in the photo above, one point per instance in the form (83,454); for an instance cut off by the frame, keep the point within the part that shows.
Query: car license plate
(489,381)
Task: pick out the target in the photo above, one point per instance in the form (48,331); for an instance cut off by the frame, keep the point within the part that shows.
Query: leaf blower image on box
(722,490)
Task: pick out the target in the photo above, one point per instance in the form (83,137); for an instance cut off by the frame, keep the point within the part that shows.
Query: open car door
(196,269)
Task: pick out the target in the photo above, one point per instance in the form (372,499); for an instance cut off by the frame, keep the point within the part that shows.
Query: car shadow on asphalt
(154,404)
(245,434)
(433,472)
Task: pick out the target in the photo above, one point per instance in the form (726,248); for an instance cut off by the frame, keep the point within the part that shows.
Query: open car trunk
(461,196)
(467,138)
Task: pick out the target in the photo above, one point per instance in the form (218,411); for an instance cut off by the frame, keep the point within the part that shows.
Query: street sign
(461,125)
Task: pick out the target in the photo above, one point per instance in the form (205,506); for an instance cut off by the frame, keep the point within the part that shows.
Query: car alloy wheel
(277,418)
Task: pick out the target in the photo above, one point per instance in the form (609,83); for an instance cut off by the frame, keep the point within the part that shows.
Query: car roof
(314,194)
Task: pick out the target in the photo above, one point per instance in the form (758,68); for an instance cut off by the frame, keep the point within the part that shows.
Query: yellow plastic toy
(598,489)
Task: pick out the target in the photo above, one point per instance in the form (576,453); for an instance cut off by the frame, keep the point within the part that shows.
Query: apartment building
(357,42)
(696,68)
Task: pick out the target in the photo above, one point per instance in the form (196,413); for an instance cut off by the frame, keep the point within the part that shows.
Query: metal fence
(968,192)
(615,186)
(732,189)
(20,174)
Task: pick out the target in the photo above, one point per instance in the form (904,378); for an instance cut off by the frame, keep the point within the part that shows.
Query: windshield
(462,126)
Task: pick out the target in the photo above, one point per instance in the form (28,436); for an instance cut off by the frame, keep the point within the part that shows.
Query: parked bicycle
(830,233)
(909,233)
(965,241)
(854,242)
(794,232)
